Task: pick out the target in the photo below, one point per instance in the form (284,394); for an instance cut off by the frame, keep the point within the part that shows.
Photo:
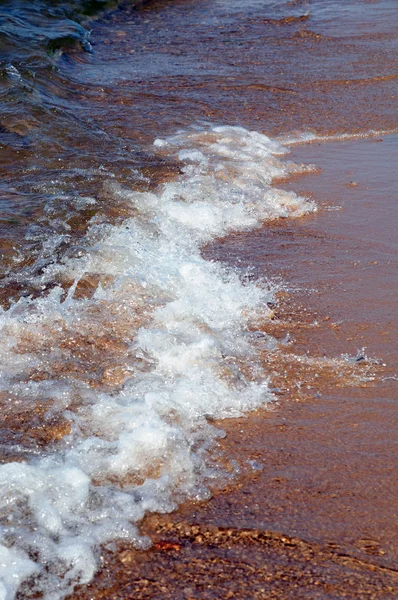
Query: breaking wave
(116,374)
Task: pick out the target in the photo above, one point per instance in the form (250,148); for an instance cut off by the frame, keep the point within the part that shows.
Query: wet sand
(313,510)
(313,513)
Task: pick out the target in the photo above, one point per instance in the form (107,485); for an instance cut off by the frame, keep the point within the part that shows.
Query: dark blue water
(52,153)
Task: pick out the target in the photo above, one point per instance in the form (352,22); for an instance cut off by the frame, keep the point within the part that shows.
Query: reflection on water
(84,91)
(121,344)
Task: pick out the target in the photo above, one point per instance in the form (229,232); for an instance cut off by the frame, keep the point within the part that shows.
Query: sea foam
(137,372)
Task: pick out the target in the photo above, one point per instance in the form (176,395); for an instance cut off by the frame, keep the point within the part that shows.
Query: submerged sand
(314,512)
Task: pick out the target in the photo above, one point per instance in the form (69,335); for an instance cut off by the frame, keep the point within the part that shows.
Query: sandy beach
(316,516)
(198,280)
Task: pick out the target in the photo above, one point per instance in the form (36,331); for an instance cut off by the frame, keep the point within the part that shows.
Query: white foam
(298,138)
(173,324)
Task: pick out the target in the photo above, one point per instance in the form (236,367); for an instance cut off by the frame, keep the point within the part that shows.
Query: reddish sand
(319,520)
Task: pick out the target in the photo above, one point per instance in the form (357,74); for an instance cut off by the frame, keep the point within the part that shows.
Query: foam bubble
(127,382)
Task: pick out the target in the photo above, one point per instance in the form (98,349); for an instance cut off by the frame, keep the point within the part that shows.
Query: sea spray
(136,371)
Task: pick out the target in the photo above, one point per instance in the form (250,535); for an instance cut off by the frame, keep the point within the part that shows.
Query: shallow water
(130,137)
(328,455)
(312,513)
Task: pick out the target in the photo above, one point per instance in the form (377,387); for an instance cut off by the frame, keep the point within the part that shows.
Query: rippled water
(127,142)
(52,156)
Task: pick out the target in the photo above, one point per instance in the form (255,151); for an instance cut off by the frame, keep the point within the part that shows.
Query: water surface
(131,135)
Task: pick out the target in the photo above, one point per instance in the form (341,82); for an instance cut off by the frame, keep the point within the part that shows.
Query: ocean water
(131,135)
(133,374)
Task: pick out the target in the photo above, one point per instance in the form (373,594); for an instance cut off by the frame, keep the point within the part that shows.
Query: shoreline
(317,519)
(112,325)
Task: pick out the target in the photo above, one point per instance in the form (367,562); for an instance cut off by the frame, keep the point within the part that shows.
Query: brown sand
(319,520)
